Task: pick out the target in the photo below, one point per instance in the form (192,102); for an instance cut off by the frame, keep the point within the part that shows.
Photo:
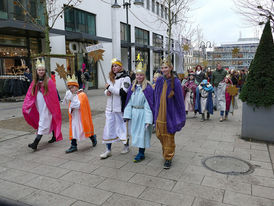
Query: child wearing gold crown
(169,112)
(116,90)
(80,118)
(139,112)
(41,108)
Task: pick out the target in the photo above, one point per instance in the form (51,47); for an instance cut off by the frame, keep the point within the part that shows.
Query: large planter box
(258,124)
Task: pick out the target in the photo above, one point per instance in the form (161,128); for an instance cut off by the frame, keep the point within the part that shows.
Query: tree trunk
(47,48)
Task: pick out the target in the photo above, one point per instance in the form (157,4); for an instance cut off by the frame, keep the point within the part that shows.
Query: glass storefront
(15,53)
(81,57)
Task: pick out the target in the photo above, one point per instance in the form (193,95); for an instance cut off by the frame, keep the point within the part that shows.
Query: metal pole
(128,36)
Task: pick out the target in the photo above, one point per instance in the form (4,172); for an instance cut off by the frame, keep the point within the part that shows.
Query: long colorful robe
(43,112)
(189,90)
(204,101)
(139,109)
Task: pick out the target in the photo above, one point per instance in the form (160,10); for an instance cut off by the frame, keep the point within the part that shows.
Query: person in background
(199,74)
(52,76)
(28,75)
(189,90)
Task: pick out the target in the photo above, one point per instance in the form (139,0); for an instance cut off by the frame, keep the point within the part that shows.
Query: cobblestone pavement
(52,178)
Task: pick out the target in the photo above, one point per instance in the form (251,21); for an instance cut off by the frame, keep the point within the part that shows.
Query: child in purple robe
(189,89)
(169,112)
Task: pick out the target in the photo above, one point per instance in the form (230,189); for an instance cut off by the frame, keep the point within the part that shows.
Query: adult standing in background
(199,74)
(217,77)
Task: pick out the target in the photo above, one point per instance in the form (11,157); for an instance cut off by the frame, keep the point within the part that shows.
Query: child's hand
(108,93)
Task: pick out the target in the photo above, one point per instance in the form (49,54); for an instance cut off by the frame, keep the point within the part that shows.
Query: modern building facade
(141,32)
(237,55)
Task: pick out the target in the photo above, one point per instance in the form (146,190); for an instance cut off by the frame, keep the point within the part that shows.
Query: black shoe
(208,115)
(215,108)
(167,164)
(53,139)
(94,140)
(35,142)
(71,149)
(203,117)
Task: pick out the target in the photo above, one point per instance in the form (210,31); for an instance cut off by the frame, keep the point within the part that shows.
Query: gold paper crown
(116,61)
(40,63)
(166,62)
(140,68)
(72,81)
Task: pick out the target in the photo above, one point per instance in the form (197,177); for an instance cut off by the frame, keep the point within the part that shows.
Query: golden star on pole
(139,58)
(235,51)
(232,90)
(185,47)
(97,55)
(61,71)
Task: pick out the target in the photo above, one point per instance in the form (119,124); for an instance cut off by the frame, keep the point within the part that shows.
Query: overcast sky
(220,22)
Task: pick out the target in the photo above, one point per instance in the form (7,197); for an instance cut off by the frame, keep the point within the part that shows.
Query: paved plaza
(49,177)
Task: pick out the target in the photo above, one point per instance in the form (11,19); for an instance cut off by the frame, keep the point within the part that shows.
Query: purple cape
(148,92)
(176,115)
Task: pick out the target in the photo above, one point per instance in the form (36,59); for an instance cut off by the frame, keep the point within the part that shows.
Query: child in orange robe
(80,118)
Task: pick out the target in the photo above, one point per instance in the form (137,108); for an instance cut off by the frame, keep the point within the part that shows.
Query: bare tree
(177,11)
(52,10)
(256,11)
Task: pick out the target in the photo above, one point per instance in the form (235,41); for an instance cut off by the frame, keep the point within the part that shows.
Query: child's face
(191,77)
(73,89)
(116,68)
(140,77)
(166,70)
(41,72)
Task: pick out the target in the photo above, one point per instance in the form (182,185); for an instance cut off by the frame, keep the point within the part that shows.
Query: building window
(125,34)
(3,9)
(157,8)
(157,40)
(153,6)
(162,11)
(79,21)
(148,4)
(157,61)
(141,36)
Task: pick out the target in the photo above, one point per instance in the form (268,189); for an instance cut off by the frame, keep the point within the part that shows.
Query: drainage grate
(228,165)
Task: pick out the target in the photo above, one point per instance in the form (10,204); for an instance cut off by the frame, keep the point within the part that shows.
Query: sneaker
(167,164)
(221,119)
(105,155)
(225,117)
(71,149)
(125,150)
(139,157)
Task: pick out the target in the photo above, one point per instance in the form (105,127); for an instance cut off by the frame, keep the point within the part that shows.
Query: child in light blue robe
(139,113)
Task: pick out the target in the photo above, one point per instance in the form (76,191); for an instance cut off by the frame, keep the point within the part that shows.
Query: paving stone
(204,202)
(150,181)
(4,159)
(14,191)
(3,169)
(263,172)
(17,176)
(238,199)
(254,180)
(209,193)
(167,198)
(260,191)
(80,203)
(173,173)
(191,178)
(113,173)
(124,188)
(50,171)
(262,147)
(51,161)
(82,178)
(79,166)
(87,194)
(143,169)
(262,165)
(116,164)
(193,169)
(42,198)
(122,200)
(21,165)
(230,185)
(49,184)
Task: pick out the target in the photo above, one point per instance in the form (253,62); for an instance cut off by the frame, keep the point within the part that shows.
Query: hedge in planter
(259,87)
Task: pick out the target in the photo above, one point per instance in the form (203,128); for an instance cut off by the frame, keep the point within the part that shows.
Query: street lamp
(127,5)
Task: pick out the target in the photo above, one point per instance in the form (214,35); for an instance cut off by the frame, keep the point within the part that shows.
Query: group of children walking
(132,109)
(201,96)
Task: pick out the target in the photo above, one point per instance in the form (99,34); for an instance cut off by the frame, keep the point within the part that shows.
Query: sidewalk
(51,177)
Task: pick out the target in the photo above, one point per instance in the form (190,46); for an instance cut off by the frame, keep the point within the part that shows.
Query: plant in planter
(258,92)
